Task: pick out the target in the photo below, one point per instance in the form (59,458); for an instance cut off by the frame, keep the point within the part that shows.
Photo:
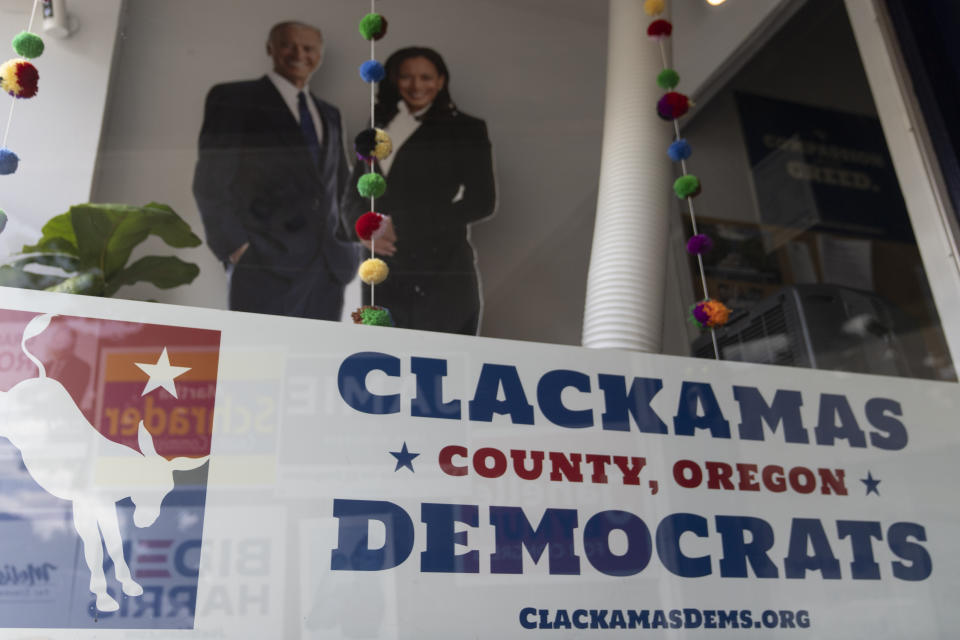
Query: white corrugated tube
(625,284)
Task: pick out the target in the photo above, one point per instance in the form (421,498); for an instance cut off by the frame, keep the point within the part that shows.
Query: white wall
(533,69)
(708,41)
(56,133)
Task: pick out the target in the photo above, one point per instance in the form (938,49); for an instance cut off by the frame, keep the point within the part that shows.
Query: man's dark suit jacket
(256,182)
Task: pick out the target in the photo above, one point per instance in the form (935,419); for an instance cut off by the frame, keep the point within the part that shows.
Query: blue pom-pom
(372,71)
(8,161)
(679,150)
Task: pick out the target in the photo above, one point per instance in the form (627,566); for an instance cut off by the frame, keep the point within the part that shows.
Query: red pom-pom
(659,29)
(673,105)
(368,224)
(29,79)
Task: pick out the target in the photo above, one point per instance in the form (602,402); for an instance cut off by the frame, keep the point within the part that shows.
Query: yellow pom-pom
(653,7)
(384,145)
(373,271)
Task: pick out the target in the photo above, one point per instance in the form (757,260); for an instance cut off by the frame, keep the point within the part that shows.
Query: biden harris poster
(244,476)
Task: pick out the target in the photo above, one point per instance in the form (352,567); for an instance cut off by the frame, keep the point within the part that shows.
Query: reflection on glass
(814,251)
(102,507)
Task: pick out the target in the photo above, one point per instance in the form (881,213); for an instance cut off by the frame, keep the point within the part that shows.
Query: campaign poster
(371,482)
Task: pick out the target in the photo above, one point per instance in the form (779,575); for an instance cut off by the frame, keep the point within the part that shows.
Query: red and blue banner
(276,477)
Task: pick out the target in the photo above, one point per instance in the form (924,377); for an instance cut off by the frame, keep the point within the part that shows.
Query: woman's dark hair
(388,95)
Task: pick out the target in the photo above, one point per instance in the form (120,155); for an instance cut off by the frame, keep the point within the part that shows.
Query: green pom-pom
(686,186)
(28,45)
(373,26)
(668,79)
(371,185)
(376,317)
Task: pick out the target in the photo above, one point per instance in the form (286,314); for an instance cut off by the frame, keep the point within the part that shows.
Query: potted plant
(86,251)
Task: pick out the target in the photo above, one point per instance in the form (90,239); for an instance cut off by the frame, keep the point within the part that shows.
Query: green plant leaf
(95,226)
(164,272)
(129,226)
(88,283)
(11,276)
(57,236)
(170,227)
(97,240)
(54,245)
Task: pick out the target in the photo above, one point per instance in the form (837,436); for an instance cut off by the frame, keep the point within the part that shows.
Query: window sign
(256,476)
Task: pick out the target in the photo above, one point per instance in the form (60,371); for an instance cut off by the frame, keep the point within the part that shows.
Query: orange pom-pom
(717,312)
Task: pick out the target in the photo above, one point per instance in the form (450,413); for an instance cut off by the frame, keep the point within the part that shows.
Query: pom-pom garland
(373,26)
(372,71)
(709,314)
(9,161)
(372,143)
(653,7)
(687,186)
(19,78)
(371,185)
(373,271)
(668,79)
(28,45)
(370,225)
(673,105)
(679,150)
(659,29)
(699,244)
(374,316)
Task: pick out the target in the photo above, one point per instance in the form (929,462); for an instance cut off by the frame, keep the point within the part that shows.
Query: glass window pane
(814,251)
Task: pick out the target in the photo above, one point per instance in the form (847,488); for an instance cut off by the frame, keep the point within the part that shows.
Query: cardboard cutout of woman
(439,181)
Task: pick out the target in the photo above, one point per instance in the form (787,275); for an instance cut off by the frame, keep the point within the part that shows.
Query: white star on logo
(161,374)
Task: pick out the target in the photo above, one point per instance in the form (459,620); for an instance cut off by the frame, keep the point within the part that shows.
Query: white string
(372,86)
(6,129)
(373,56)
(373,242)
(373,206)
(33,14)
(693,215)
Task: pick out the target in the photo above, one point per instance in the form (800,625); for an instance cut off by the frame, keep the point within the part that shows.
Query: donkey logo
(38,416)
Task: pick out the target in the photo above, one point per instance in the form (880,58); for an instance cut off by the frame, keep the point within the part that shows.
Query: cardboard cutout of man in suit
(268,181)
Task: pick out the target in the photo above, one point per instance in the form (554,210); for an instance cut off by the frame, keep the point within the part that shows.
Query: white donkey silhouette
(38,416)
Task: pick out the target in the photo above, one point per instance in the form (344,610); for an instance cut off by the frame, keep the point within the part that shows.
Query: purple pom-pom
(700,313)
(673,105)
(680,150)
(699,244)
(372,71)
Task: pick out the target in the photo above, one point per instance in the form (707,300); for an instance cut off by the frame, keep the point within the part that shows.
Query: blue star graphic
(871,483)
(404,458)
